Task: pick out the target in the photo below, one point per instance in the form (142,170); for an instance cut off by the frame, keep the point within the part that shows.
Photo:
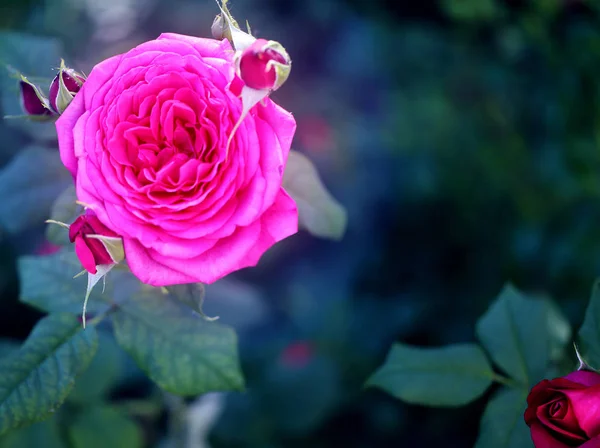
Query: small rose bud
(34,103)
(264,65)
(219,29)
(64,87)
(95,244)
(225,27)
(297,354)
(47,248)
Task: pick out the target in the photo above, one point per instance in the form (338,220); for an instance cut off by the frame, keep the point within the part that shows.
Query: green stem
(507,381)
(147,408)
(100,317)
(177,430)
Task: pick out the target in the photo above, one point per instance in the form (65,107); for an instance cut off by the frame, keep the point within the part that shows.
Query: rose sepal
(114,248)
(60,94)
(38,111)
(229,29)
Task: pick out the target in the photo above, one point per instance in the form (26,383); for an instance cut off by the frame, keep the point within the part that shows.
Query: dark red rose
(565,412)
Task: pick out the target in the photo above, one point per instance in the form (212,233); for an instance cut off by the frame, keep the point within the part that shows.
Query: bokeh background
(463,138)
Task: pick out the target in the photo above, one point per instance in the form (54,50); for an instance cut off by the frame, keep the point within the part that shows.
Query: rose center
(558,408)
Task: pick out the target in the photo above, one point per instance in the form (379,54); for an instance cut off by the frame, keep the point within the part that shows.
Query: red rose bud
(95,244)
(64,87)
(34,103)
(264,65)
(297,354)
(565,412)
(47,248)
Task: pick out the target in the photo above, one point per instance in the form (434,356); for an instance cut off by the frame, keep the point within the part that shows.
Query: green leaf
(37,379)
(8,347)
(30,183)
(190,294)
(102,374)
(503,424)
(47,283)
(589,333)
(447,376)
(44,434)
(560,333)
(63,210)
(319,212)
(102,427)
(34,57)
(514,331)
(180,351)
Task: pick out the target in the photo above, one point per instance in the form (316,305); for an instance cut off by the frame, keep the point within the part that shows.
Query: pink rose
(565,412)
(145,139)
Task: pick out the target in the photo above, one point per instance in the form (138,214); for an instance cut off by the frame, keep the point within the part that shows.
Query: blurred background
(463,138)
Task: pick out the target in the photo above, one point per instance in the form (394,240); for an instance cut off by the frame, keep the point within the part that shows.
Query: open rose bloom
(146,140)
(565,412)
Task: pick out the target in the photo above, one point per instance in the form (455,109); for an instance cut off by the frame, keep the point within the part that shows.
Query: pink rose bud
(47,248)
(95,244)
(33,101)
(64,87)
(264,65)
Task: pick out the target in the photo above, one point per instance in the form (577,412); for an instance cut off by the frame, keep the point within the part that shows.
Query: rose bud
(34,102)
(95,244)
(64,87)
(565,412)
(297,354)
(226,27)
(219,29)
(264,65)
